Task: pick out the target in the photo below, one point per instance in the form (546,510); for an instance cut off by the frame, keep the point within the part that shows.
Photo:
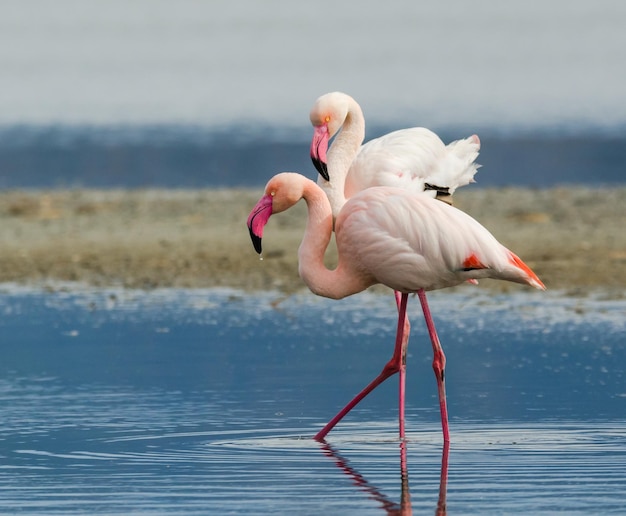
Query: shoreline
(572,237)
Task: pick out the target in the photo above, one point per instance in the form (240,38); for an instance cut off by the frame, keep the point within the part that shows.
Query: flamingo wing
(414,159)
(410,242)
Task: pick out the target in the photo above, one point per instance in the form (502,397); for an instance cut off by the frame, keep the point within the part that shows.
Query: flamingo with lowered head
(408,242)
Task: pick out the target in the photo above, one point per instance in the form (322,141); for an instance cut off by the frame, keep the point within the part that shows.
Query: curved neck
(337,283)
(342,153)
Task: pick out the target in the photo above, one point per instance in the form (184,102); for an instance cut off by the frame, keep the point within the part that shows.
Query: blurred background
(134,93)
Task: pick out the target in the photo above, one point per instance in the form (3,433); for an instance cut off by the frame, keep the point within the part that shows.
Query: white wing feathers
(413,159)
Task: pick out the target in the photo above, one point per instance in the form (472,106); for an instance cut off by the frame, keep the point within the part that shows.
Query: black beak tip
(256,241)
(321,167)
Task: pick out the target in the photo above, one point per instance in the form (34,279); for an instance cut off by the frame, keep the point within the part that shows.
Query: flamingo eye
(273,193)
(327,119)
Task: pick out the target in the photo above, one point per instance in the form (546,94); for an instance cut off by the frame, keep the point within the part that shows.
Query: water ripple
(493,468)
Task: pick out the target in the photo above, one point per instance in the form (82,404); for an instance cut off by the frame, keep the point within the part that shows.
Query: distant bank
(573,238)
(197,157)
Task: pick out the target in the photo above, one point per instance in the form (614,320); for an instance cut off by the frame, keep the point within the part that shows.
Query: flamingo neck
(342,153)
(337,283)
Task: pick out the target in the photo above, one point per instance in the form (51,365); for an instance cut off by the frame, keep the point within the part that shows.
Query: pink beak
(319,147)
(257,219)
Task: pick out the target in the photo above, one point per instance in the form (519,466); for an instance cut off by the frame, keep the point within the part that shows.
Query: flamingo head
(281,193)
(327,116)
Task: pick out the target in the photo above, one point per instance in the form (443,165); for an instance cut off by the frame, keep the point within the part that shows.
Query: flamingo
(415,159)
(406,241)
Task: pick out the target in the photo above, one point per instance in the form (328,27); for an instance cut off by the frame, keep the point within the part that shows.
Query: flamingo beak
(319,146)
(257,219)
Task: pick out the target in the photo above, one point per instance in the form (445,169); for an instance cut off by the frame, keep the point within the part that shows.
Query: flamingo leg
(439,364)
(401,301)
(396,364)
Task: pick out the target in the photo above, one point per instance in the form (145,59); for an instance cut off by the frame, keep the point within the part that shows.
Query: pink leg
(395,365)
(439,364)
(401,301)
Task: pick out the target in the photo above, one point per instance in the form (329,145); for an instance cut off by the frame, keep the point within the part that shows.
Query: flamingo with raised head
(414,159)
(408,242)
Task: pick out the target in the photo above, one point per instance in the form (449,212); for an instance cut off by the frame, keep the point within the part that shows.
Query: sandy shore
(574,238)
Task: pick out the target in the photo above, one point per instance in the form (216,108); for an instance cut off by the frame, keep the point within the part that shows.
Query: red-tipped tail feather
(531,278)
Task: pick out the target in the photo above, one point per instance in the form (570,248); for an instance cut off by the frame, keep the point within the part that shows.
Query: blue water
(196,402)
(196,157)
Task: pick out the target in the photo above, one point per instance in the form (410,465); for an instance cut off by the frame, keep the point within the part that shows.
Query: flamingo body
(408,242)
(412,159)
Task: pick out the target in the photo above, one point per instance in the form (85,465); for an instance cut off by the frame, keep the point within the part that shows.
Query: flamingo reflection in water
(403,508)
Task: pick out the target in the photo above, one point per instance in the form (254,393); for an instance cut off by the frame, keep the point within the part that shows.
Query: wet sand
(574,238)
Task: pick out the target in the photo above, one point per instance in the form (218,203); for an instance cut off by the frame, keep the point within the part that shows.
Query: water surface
(196,402)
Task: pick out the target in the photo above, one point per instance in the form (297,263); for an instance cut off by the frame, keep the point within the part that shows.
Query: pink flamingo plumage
(408,242)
